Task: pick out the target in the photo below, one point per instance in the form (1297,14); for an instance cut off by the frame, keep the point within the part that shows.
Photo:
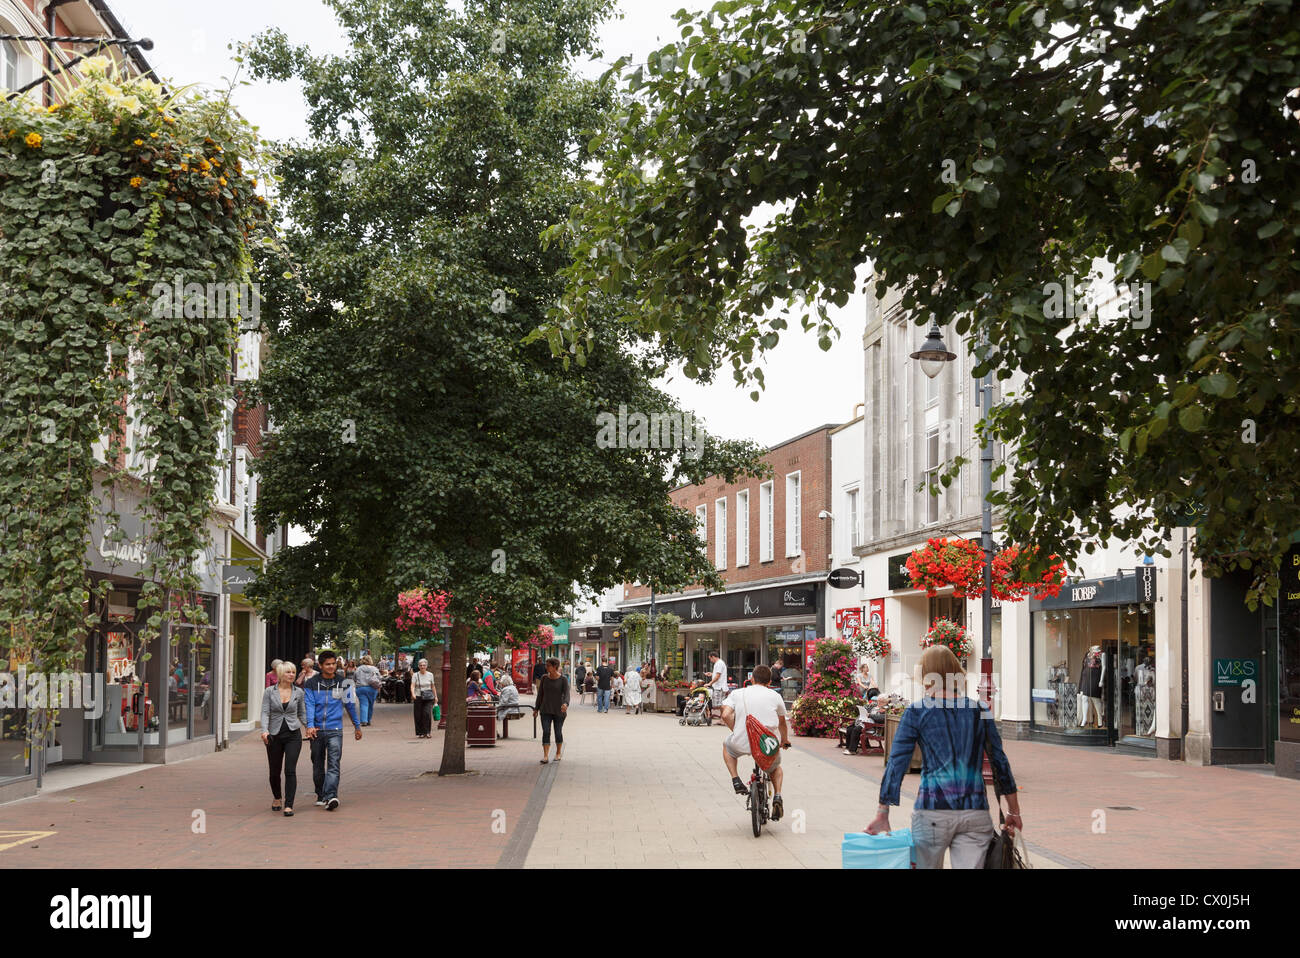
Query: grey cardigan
(276,713)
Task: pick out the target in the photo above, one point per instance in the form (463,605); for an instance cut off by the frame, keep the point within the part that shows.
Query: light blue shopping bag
(889,850)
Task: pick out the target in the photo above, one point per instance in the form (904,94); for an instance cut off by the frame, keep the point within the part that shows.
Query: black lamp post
(932,355)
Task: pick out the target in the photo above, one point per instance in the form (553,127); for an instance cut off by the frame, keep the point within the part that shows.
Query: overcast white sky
(805,386)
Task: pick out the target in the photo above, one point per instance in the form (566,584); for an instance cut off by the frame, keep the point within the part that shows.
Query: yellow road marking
(10,839)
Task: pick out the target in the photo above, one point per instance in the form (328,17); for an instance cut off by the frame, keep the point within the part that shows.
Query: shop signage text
(611,618)
(844,578)
(235,578)
(326,613)
(755,604)
(1235,671)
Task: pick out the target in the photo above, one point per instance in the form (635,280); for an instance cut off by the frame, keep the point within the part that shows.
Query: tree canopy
(976,154)
(419,439)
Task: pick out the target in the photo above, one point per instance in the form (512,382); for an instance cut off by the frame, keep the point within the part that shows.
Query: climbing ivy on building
(122,210)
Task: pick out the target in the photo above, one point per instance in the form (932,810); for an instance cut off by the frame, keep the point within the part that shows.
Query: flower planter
(891,726)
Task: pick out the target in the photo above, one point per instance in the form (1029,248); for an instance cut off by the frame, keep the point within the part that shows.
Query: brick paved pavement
(631,791)
(144,820)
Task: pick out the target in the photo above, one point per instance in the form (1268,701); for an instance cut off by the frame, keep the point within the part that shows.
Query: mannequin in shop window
(1145,686)
(1092,679)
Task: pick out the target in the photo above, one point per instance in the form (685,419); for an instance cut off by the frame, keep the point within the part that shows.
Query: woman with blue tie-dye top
(954,732)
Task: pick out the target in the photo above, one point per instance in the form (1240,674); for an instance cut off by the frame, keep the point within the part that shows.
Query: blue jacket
(326,699)
(954,735)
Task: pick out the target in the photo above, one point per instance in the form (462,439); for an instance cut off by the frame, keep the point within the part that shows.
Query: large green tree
(977,153)
(418,438)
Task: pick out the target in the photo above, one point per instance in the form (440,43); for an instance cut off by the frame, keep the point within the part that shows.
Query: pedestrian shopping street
(631,791)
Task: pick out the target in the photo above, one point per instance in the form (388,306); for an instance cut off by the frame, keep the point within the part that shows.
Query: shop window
(705,642)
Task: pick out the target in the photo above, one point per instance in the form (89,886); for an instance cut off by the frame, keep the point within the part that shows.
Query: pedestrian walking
(369,682)
(539,673)
(632,691)
(718,681)
(307,671)
(424,694)
(604,685)
(284,717)
(273,676)
(552,706)
(954,732)
(580,674)
(327,697)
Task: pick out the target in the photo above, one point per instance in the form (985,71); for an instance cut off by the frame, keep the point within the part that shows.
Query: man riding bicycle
(768,707)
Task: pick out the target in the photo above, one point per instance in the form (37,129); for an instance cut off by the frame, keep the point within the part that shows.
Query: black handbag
(1003,851)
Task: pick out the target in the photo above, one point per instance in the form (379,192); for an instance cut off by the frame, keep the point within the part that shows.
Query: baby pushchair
(698,709)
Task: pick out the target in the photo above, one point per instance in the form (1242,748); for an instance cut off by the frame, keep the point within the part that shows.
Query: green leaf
(1175,252)
(1014,17)
(1191,418)
(1268,229)
(1152,266)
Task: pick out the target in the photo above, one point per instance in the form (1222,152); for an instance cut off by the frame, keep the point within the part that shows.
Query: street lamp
(932,355)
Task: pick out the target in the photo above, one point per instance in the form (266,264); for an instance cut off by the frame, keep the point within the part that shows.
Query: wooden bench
(872,741)
(516,712)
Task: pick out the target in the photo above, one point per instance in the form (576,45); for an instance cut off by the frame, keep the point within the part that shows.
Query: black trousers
(549,720)
(423,716)
(284,749)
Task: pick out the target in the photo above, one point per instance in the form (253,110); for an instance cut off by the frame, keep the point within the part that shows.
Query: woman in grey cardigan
(284,717)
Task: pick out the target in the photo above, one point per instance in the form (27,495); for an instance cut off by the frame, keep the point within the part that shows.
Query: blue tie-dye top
(953,734)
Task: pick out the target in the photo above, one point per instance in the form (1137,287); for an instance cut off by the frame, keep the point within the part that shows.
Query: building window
(720,533)
(793,513)
(742,528)
(855,538)
(931,475)
(765,523)
(8,64)
(702,522)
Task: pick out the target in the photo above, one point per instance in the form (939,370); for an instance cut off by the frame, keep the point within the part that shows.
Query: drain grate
(1124,808)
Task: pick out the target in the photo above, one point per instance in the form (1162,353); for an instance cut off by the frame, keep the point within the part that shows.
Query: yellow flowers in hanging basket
(33,140)
(137,181)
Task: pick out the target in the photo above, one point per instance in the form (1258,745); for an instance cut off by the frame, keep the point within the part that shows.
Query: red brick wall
(248,426)
(809,455)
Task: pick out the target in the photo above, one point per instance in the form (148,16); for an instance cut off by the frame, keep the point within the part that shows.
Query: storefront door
(1135,685)
(743,650)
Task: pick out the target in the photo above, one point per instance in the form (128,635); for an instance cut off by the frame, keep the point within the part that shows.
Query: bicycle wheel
(756,806)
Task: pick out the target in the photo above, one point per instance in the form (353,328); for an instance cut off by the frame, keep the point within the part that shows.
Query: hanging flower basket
(869,643)
(948,633)
(948,562)
(1011,582)
(421,611)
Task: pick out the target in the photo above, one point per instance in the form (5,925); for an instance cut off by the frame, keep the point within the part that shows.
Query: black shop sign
(777,602)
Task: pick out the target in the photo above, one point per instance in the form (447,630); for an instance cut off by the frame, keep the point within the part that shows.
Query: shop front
(771,626)
(1093,662)
(1285,698)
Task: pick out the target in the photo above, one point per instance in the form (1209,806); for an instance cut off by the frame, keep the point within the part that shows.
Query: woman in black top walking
(552,705)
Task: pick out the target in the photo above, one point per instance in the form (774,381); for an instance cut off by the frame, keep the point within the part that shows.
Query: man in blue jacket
(326,696)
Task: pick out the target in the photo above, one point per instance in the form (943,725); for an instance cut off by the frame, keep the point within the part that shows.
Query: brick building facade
(772,550)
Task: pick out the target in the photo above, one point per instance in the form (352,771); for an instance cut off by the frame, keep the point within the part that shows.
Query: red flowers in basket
(949,633)
(1010,581)
(960,563)
(948,562)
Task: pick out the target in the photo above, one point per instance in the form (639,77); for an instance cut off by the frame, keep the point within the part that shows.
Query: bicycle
(758,801)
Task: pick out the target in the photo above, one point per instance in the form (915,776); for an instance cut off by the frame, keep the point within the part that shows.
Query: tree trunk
(453,743)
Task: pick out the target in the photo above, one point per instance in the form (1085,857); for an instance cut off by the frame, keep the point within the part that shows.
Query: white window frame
(720,532)
(793,514)
(766,520)
(852,512)
(702,522)
(742,528)
(932,510)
